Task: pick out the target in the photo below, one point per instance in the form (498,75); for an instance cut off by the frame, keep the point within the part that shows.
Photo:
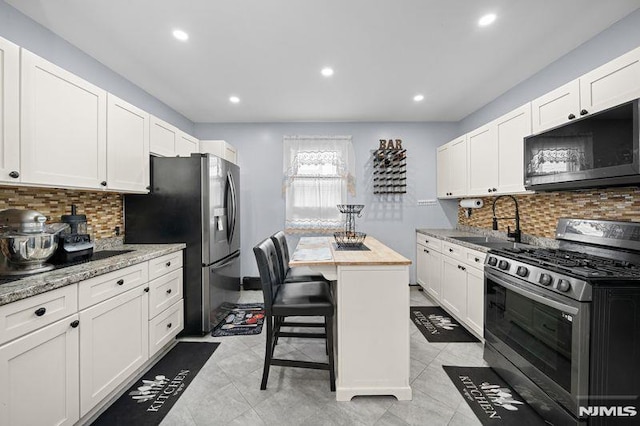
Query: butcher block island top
(318,251)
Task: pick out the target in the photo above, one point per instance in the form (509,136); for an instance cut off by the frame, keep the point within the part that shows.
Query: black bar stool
(306,299)
(285,273)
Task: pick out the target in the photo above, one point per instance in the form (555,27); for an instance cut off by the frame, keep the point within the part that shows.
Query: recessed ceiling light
(234,99)
(418,98)
(180,35)
(487,19)
(327,72)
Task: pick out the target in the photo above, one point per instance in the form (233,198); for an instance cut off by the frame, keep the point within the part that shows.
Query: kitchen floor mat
(437,325)
(490,398)
(150,399)
(243,319)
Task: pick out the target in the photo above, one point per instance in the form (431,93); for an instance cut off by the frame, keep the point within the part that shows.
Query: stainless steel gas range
(562,326)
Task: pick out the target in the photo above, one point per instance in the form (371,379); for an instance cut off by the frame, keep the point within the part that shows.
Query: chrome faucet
(517,234)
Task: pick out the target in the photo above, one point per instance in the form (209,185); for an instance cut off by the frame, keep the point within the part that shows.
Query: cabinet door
(511,130)
(186,145)
(458,167)
(9,112)
(434,274)
(475,300)
(442,167)
(127,146)
(39,376)
(422,271)
(555,108)
(483,157)
(614,83)
(63,127)
(454,287)
(163,138)
(230,153)
(114,343)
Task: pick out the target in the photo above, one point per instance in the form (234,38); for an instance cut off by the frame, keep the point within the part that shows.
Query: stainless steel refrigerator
(194,200)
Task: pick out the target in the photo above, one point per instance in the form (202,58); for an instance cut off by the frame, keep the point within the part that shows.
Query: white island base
(372,324)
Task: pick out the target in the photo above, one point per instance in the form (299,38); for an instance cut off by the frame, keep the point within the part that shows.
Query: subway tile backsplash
(539,212)
(103,209)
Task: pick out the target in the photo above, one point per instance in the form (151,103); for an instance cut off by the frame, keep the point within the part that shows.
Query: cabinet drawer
(164,264)
(428,241)
(165,327)
(455,251)
(476,258)
(100,288)
(164,292)
(21,317)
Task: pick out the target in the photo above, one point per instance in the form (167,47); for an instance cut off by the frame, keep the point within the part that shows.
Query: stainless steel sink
(477,240)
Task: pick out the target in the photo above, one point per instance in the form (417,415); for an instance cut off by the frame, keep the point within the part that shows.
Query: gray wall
(25,32)
(619,38)
(391,219)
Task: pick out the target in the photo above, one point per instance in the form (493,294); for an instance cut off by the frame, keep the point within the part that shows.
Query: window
(318,172)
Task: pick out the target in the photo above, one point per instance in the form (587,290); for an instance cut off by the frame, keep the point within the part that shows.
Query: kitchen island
(371,292)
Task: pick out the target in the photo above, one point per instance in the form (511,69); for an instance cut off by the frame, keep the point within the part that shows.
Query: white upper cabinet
(483,151)
(127,146)
(556,107)
(452,168)
(63,127)
(187,145)
(613,83)
(221,148)
(511,130)
(9,112)
(164,138)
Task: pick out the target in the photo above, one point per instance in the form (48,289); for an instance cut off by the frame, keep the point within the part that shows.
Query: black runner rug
(438,326)
(491,399)
(150,399)
(242,319)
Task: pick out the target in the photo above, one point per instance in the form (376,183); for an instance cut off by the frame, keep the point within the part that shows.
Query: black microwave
(596,150)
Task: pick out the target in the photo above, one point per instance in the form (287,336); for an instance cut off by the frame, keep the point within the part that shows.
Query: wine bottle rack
(390,171)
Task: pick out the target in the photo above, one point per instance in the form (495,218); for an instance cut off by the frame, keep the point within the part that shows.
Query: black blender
(74,243)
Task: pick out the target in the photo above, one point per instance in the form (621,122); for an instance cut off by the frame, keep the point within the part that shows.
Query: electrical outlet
(427,202)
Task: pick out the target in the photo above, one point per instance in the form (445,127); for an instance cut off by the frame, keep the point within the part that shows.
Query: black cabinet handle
(425,250)
(477,259)
(571,116)
(168,264)
(169,325)
(146,289)
(40,311)
(120,282)
(450,250)
(584,112)
(103,183)
(489,190)
(426,241)
(495,189)
(462,268)
(14,174)
(75,323)
(169,291)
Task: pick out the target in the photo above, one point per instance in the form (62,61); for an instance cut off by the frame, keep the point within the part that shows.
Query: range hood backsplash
(103,209)
(539,212)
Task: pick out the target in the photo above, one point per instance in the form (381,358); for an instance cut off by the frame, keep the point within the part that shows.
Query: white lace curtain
(318,173)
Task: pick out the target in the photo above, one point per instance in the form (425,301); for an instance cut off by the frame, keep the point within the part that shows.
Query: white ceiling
(270,52)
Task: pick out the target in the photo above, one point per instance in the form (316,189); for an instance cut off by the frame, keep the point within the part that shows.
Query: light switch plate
(427,202)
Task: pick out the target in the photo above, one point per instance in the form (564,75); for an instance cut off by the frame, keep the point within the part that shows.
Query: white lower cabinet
(454,287)
(475,300)
(39,376)
(428,270)
(113,344)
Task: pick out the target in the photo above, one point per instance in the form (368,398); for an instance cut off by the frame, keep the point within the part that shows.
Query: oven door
(545,335)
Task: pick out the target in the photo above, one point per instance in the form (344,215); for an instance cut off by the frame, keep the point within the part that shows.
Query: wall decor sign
(390,167)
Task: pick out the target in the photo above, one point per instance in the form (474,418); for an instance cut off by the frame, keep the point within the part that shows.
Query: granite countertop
(446,234)
(46,281)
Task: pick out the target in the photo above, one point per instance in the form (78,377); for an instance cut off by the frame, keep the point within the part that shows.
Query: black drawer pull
(425,250)
(103,183)
(169,291)
(450,250)
(14,174)
(146,289)
(169,325)
(40,311)
(120,282)
(75,323)
(168,264)
(571,116)
(477,259)
(462,268)
(584,112)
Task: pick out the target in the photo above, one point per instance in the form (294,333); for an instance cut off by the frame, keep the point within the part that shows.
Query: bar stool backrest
(267,260)
(282,251)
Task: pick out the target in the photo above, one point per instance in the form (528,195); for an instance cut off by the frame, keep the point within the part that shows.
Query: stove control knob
(493,261)
(546,279)
(503,264)
(522,271)
(564,285)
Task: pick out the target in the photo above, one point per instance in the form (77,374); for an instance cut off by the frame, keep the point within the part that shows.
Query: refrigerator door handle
(227,263)
(234,207)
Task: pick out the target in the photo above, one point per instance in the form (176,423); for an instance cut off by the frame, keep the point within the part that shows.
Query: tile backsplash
(539,212)
(103,209)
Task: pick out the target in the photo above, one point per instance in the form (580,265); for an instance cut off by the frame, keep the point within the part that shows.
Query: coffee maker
(74,243)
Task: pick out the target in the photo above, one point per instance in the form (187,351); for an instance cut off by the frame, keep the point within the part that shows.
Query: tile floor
(227,389)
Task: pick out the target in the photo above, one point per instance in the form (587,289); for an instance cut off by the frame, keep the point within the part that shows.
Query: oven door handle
(529,293)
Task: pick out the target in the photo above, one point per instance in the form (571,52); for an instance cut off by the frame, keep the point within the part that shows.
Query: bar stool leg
(332,373)
(268,353)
